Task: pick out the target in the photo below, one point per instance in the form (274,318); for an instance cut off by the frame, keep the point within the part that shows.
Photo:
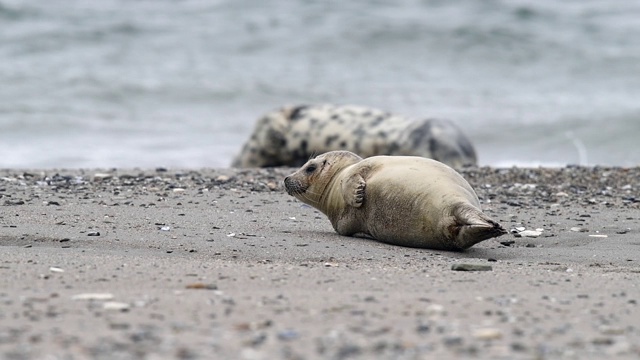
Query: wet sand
(154,264)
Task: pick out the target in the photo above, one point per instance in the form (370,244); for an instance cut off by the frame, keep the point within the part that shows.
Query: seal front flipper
(353,190)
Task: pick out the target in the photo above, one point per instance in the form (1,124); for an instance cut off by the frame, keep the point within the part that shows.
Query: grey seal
(402,200)
(291,135)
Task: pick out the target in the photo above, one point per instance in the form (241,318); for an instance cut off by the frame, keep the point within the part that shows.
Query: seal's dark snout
(287,184)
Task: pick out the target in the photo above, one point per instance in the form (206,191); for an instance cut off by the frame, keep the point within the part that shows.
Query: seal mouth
(293,187)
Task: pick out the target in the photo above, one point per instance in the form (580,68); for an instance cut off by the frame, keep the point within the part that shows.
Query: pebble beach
(222,263)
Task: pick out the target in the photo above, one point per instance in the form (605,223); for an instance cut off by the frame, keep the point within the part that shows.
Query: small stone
(528,233)
(93,296)
(435,309)
(598,236)
(611,330)
(115,305)
(348,351)
(256,341)
(202,286)
(56,269)
(579,229)
(423,328)
(602,341)
(165,228)
(453,341)
(288,335)
(471,267)
(119,326)
(222,178)
(178,190)
(487,334)
(93,233)
(102,176)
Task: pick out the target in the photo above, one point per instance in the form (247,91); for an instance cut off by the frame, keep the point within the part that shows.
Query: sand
(155,264)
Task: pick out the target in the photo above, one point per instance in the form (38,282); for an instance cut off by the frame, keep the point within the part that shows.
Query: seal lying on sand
(292,135)
(401,200)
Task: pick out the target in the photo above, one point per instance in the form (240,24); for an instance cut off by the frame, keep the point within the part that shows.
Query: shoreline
(223,262)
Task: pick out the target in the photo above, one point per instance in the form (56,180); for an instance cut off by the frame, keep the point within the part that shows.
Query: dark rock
(288,335)
(471,267)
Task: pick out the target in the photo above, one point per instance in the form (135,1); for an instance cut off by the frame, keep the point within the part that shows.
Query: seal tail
(472,226)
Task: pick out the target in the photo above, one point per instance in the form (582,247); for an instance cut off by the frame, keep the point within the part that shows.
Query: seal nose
(286,184)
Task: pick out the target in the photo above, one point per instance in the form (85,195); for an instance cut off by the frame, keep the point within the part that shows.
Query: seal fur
(401,200)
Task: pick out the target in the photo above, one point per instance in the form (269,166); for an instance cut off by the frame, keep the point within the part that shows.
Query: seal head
(309,184)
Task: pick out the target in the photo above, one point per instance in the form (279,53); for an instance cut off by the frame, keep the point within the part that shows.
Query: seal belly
(397,221)
(409,204)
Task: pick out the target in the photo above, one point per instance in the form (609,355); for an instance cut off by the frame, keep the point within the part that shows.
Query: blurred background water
(180,83)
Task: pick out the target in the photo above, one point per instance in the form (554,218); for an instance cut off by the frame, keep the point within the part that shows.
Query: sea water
(149,83)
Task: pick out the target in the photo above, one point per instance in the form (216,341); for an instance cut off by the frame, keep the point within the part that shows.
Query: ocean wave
(517,75)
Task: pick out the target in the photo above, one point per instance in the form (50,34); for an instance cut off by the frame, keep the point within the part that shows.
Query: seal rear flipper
(471,226)
(470,235)
(353,190)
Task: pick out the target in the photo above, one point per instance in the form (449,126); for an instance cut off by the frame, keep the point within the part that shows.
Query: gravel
(221,263)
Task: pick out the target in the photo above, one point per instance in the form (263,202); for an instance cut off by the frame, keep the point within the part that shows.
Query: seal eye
(311,168)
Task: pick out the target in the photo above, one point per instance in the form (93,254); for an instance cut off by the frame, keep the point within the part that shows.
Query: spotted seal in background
(401,200)
(292,135)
